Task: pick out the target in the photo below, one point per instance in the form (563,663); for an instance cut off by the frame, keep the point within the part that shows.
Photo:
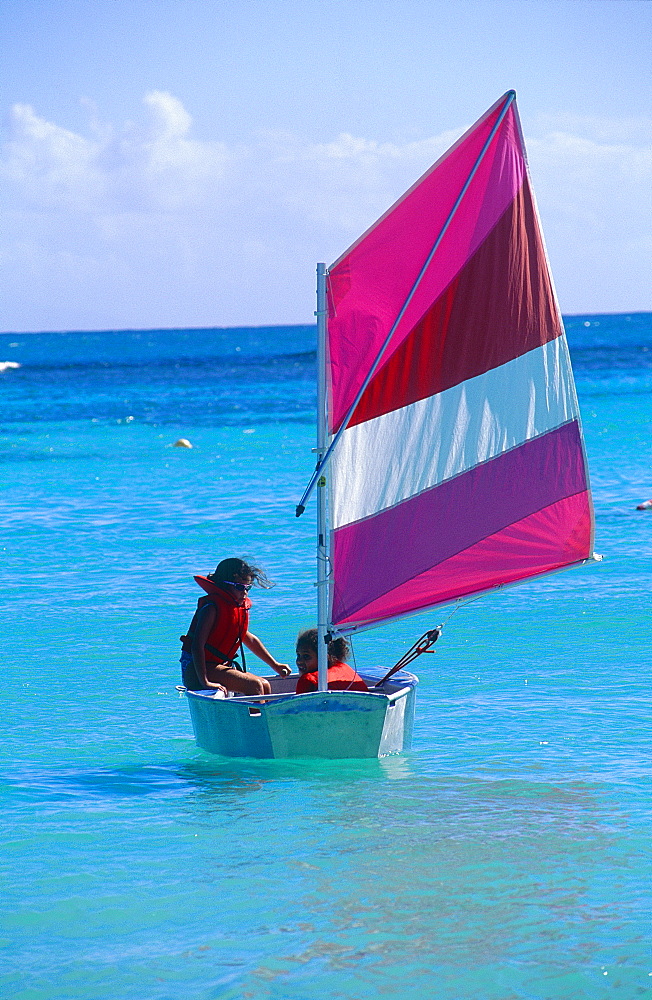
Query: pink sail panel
(370,283)
(375,556)
(499,306)
(550,539)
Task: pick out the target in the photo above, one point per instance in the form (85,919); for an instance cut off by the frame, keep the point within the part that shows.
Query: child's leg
(237,680)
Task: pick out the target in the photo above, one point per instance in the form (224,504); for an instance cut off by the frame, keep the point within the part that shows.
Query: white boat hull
(327,724)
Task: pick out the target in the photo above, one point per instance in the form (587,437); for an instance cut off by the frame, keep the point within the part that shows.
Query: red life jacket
(341,677)
(231,624)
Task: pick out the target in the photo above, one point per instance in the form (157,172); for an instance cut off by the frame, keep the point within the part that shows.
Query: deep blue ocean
(507,857)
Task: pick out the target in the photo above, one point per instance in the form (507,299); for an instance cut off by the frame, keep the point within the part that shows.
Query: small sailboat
(450,453)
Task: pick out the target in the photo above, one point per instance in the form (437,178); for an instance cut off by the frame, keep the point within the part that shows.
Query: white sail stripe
(391,458)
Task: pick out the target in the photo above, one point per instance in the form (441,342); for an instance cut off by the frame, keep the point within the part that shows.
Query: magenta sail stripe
(383,551)
(551,539)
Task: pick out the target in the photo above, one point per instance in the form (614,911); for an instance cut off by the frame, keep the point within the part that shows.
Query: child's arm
(253,643)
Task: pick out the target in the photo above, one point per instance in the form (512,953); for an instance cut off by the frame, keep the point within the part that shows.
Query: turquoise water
(506,857)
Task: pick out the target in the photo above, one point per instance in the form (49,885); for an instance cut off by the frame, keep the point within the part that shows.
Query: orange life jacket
(231,624)
(341,677)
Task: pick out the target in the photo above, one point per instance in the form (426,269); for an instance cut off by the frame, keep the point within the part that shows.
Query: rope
(355,665)
(422,645)
(462,604)
(427,640)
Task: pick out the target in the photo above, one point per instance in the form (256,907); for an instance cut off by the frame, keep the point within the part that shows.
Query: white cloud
(47,164)
(346,183)
(168,170)
(595,199)
(151,167)
(628,131)
(589,179)
(144,225)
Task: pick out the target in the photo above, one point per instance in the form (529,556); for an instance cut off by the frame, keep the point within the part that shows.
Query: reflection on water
(114,782)
(205,767)
(218,782)
(203,780)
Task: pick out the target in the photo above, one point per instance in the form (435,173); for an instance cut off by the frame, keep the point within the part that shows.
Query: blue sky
(186,162)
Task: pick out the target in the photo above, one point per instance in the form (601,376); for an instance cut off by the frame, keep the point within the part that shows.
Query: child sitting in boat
(220,628)
(341,677)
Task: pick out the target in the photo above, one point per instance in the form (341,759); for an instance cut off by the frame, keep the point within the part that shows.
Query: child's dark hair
(238,569)
(337,648)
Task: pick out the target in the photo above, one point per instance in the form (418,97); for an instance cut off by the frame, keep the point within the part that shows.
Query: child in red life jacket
(341,677)
(220,628)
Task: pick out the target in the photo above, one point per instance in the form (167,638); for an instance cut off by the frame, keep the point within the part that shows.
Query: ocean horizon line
(256,326)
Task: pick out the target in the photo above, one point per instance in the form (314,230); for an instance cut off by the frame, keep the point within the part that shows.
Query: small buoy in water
(182,443)
(646,505)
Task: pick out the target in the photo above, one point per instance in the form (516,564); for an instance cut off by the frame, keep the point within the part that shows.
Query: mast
(322,443)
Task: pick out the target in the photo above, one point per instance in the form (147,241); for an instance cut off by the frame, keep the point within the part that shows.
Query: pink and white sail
(462,467)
